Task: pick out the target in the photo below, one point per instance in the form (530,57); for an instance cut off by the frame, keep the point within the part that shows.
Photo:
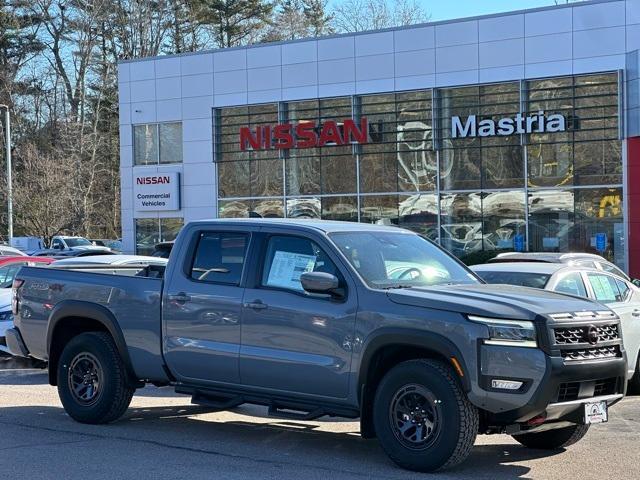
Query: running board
(219,403)
(291,414)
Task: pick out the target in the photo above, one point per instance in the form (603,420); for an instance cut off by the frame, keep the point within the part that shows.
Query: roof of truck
(326,226)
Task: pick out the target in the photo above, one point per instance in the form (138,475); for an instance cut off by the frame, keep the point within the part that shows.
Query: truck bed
(133,304)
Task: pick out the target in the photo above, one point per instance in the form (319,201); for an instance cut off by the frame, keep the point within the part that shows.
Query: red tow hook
(538,420)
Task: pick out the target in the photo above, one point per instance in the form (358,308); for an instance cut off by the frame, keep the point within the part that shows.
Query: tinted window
(8,273)
(625,291)
(219,257)
(604,287)
(535,280)
(572,284)
(289,257)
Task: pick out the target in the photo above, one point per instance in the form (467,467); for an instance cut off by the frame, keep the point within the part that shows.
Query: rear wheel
(422,417)
(92,382)
(553,439)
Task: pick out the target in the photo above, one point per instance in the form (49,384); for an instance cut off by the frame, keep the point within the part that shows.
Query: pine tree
(234,22)
(317,19)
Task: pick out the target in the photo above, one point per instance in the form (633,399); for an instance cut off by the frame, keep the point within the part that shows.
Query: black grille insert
(575,335)
(594,353)
(568,391)
(605,387)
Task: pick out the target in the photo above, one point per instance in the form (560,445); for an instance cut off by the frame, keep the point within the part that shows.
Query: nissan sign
(534,123)
(156,192)
(308,134)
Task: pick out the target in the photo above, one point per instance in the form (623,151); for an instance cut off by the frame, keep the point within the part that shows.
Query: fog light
(505,384)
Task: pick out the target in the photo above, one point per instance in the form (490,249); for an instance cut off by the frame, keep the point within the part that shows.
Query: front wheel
(422,418)
(92,380)
(553,439)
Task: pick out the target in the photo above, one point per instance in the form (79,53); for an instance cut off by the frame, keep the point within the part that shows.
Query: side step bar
(219,403)
(292,414)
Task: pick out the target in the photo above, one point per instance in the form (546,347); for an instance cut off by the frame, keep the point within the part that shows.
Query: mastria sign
(535,123)
(304,135)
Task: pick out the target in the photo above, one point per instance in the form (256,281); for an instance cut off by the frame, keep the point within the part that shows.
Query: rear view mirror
(319,282)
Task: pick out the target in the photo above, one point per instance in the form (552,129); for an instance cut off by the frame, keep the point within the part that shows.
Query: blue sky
(448,9)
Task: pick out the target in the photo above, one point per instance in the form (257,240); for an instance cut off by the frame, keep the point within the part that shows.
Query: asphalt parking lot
(163,436)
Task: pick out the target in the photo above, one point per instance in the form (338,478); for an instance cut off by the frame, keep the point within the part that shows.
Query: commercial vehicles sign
(534,123)
(156,192)
(308,134)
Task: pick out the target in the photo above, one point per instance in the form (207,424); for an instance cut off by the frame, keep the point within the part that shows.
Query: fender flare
(93,311)
(394,336)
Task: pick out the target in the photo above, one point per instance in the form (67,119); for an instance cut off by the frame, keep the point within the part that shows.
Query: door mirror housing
(636,282)
(321,282)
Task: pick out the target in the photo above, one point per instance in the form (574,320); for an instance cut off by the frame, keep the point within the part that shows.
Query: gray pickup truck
(314,318)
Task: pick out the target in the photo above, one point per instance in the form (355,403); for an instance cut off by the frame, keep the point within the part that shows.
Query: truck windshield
(393,260)
(77,242)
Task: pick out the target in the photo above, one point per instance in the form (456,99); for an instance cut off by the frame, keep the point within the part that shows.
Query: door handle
(256,305)
(180,297)
(636,313)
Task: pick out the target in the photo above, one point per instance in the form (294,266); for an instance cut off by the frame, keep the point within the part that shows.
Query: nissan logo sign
(592,335)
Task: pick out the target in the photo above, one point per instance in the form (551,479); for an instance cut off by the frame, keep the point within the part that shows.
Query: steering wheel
(408,274)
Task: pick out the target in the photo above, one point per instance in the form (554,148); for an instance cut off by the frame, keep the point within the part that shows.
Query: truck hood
(501,301)
(90,247)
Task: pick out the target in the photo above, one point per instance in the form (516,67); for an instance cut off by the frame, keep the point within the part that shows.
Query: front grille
(568,391)
(595,353)
(571,391)
(605,387)
(575,335)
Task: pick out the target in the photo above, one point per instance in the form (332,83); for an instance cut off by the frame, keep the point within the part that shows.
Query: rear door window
(605,288)
(219,257)
(625,291)
(572,284)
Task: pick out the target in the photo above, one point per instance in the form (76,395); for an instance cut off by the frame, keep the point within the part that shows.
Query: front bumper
(16,344)
(566,386)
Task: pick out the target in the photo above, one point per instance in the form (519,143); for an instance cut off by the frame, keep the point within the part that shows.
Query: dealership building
(518,131)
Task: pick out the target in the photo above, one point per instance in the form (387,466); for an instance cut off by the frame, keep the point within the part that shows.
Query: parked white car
(122,264)
(620,295)
(63,242)
(7,251)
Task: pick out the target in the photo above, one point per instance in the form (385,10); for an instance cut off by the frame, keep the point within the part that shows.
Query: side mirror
(320,282)
(636,282)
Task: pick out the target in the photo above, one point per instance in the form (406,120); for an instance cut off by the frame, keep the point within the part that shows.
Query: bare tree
(361,15)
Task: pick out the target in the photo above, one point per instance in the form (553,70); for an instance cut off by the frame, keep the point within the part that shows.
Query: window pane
(266,178)
(625,291)
(340,208)
(382,210)
(550,220)
(604,288)
(503,218)
(460,169)
(145,141)
(572,284)
(550,164)
(268,208)
(171,143)
(303,175)
(233,179)
(599,226)
(219,257)
(304,208)
(461,223)
(598,163)
(147,235)
(338,174)
(420,214)
(169,228)
(289,257)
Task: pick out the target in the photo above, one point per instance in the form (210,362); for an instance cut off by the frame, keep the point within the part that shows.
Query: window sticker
(602,288)
(287,268)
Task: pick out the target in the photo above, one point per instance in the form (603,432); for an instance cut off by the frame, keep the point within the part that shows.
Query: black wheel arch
(73,317)
(389,346)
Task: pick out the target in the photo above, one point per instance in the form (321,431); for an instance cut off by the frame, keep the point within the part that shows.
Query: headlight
(518,333)
(6,316)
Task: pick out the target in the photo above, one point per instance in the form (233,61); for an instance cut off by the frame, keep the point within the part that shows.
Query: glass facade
(535,188)
(150,231)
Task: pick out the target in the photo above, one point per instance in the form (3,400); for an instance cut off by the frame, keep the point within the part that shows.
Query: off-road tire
(115,392)
(459,418)
(553,439)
